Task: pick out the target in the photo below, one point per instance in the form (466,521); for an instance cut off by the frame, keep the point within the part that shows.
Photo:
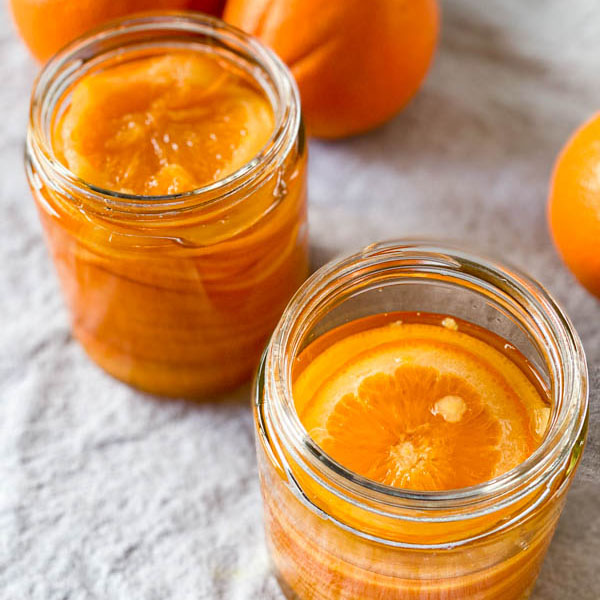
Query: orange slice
(163,125)
(420,407)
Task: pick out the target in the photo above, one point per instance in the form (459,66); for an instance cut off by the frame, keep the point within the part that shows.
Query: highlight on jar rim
(421,412)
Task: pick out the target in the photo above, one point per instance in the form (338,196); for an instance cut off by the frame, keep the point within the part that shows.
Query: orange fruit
(162,125)
(357,63)
(47,25)
(421,407)
(574,204)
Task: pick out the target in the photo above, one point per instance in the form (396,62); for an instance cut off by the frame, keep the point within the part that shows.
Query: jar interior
(132,51)
(430,295)
(155,35)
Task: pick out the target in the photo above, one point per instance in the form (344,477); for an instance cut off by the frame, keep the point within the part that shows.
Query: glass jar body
(179,300)
(334,534)
(171,316)
(314,558)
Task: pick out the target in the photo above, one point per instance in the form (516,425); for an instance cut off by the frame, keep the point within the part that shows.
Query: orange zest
(421,407)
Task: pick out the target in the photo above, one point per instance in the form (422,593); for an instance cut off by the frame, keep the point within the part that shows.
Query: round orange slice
(421,407)
(163,125)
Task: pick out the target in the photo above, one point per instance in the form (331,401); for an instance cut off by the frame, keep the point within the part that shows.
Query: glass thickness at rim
(62,69)
(567,367)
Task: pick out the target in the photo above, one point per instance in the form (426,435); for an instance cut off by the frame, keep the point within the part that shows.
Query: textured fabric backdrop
(108,493)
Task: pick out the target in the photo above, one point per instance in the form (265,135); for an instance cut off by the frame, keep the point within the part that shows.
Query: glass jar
(334,534)
(174,294)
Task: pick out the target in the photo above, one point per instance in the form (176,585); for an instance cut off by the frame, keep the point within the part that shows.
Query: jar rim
(65,64)
(565,431)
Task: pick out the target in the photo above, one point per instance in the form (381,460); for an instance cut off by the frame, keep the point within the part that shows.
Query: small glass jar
(174,294)
(334,534)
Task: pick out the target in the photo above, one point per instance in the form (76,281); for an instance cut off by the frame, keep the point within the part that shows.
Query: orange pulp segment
(422,407)
(162,125)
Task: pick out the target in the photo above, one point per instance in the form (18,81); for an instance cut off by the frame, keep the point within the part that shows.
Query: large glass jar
(334,534)
(175,294)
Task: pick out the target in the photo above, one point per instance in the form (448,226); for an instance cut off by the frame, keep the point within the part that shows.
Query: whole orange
(47,25)
(574,204)
(357,63)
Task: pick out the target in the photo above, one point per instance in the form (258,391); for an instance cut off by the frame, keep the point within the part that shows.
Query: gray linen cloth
(107,493)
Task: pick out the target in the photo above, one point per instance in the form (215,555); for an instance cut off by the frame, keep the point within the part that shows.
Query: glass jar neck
(149,34)
(380,265)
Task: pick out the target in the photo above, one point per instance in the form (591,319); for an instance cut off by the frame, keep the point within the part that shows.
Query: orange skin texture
(357,63)
(47,25)
(574,204)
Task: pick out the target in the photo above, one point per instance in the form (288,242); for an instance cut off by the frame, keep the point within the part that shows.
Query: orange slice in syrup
(420,407)
(163,125)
